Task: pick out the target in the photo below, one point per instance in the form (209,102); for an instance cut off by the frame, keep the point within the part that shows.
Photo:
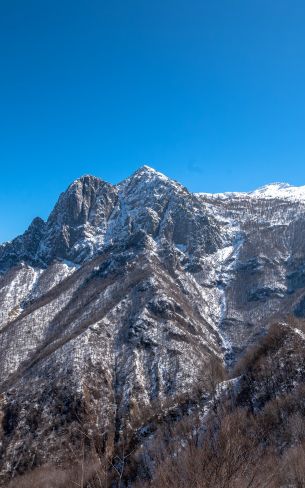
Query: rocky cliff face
(268,276)
(117,304)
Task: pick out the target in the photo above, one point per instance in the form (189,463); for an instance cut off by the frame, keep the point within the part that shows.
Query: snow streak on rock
(125,294)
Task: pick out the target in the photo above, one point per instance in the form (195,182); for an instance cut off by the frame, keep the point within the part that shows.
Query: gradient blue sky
(212,93)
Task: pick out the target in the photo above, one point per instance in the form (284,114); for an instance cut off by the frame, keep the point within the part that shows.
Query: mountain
(115,308)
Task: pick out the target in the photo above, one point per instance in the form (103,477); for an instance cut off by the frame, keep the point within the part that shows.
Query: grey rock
(118,302)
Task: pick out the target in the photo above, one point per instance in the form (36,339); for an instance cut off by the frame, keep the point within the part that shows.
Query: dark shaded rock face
(299,309)
(76,227)
(265,293)
(296,278)
(74,230)
(117,303)
(23,248)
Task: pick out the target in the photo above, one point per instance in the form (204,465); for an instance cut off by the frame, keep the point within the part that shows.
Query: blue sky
(212,93)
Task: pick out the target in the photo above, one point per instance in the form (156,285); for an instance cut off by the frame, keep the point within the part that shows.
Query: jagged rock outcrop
(119,301)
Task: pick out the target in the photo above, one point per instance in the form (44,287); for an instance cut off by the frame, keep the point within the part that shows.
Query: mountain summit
(118,303)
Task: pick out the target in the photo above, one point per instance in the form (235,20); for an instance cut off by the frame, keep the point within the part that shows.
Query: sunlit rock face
(119,300)
(269,275)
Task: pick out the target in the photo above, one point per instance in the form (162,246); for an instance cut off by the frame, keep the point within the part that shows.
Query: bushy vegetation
(252,435)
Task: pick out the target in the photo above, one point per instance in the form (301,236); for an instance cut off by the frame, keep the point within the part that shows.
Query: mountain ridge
(121,300)
(145,170)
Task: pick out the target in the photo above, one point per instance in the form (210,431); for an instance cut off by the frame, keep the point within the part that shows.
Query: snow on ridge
(283,191)
(147,175)
(280,190)
(79,181)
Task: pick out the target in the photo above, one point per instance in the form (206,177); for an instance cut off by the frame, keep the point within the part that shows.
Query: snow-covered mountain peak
(85,181)
(92,213)
(283,191)
(274,186)
(126,296)
(280,190)
(146,169)
(147,180)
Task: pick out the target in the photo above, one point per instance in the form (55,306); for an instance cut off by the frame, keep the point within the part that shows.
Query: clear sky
(211,93)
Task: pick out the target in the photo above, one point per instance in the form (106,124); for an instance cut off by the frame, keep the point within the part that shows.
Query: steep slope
(118,303)
(74,230)
(95,343)
(268,277)
(251,434)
